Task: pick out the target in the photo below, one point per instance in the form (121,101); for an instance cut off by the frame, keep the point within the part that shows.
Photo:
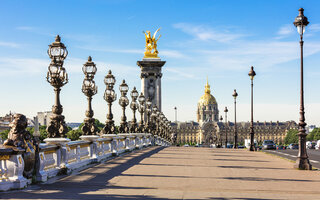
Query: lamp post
(221,119)
(109,96)
(226,111)
(134,106)
(251,74)
(142,109)
(123,102)
(235,94)
(175,112)
(89,88)
(302,161)
(57,77)
(148,112)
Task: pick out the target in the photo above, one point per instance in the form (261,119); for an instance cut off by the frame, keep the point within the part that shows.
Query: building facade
(208,130)
(44,118)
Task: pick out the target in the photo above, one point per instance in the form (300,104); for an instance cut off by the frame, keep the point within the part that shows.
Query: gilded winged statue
(151,44)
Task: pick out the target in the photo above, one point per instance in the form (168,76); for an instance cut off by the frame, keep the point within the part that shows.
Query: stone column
(151,79)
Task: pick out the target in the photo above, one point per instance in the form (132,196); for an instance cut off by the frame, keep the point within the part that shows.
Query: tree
(291,136)
(314,135)
(74,134)
(4,134)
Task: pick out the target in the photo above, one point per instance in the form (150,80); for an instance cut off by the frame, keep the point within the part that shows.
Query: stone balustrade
(62,158)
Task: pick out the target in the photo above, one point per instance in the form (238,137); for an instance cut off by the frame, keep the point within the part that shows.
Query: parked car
(186,145)
(241,147)
(310,145)
(293,146)
(268,144)
(230,146)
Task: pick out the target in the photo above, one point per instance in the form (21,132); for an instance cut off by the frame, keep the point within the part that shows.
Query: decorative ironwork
(123,101)
(89,88)
(109,96)
(141,109)
(134,106)
(57,77)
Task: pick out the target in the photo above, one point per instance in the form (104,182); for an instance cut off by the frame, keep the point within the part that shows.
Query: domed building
(207,110)
(208,130)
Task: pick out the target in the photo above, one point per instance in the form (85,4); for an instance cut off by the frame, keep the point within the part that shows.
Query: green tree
(292,136)
(74,134)
(4,134)
(314,135)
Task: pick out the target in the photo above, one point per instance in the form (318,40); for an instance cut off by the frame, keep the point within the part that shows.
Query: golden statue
(151,44)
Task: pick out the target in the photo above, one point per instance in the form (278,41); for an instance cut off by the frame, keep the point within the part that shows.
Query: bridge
(181,173)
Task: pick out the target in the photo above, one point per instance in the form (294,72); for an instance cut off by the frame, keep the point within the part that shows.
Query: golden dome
(207,98)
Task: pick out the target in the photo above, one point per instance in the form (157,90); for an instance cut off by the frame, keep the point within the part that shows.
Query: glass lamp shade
(123,87)
(134,93)
(124,100)
(57,50)
(134,105)
(89,68)
(235,94)
(149,103)
(53,70)
(252,73)
(141,99)
(225,109)
(109,94)
(221,118)
(301,29)
(62,73)
(109,79)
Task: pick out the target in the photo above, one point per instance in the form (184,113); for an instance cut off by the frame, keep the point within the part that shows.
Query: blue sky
(218,39)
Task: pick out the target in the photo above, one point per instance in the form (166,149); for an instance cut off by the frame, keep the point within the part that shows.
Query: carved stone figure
(20,138)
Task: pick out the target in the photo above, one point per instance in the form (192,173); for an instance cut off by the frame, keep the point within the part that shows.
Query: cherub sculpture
(18,136)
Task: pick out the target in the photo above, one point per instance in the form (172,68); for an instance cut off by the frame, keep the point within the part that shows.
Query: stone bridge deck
(183,173)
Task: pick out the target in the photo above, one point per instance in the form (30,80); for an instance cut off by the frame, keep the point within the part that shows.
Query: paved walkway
(183,173)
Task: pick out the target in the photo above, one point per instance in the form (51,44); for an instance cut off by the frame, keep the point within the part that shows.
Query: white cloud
(314,27)
(285,31)
(9,44)
(171,53)
(204,33)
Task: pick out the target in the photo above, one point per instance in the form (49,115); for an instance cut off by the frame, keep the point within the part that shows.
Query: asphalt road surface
(291,154)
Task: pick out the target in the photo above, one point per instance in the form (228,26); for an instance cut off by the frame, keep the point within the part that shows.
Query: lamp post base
(303,164)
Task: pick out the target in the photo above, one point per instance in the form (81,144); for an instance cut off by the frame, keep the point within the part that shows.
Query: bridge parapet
(11,168)
(57,159)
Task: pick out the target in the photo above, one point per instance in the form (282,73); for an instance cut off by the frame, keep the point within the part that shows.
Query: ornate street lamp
(251,74)
(148,112)
(57,77)
(302,162)
(175,112)
(226,111)
(109,96)
(221,120)
(123,102)
(89,88)
(235,94)
(141,100)
(153,120)
(134,106)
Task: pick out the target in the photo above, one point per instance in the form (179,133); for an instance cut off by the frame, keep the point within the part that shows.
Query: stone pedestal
(151,79)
